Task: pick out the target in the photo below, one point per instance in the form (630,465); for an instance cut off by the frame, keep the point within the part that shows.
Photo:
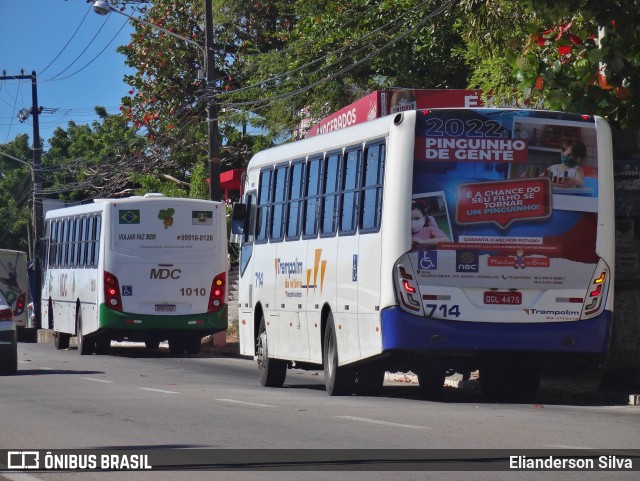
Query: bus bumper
(403,331)
(208,322)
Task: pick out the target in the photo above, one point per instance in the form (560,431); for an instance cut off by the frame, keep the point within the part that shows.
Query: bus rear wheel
(86,345)
(10,368)
(272,372)
(369,380)
(510,377)
(103,345)
(177,345)
(431,381)
(193,344)
(339,381)
(61,340)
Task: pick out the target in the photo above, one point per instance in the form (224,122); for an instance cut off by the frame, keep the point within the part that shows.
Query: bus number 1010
(196,291)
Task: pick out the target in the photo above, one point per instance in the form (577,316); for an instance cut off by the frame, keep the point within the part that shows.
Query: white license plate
(165,308)
(503,298)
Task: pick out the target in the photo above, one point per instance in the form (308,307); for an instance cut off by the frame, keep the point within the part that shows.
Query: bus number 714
(447,311)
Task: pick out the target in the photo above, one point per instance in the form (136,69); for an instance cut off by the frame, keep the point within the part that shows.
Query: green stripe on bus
(110,319)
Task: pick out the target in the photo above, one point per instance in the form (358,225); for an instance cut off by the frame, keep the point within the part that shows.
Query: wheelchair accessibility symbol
(428,259)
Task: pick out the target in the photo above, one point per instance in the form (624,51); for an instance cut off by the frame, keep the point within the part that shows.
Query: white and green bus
(432,241)
(144,269)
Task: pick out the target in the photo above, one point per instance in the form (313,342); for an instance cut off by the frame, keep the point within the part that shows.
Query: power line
(81,53)
(68,42)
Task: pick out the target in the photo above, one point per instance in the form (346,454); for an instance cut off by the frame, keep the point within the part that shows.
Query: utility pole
(215,192)
(36,181)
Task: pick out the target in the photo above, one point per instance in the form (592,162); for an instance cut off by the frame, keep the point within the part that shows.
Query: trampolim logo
(295,268)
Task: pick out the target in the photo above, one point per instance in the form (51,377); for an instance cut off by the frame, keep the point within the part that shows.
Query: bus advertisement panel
(506,214)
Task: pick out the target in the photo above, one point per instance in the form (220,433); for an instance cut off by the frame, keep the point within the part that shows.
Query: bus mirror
(238,217)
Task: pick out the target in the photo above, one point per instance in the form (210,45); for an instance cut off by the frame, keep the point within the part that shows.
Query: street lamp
(102,7)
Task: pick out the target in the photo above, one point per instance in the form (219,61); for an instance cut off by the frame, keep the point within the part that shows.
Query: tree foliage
(15,194)
(571,55)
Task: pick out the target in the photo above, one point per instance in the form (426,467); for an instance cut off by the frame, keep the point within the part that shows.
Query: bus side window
(58,247)
(296,194)
(311,203)
(350,192)
(82,259)
(262,214)
(330,175)
(372,188)
(96,244)
(51,228)
(65,243)
(76,242)
(279,196)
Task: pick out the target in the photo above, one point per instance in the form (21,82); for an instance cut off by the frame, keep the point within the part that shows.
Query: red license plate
(514,298)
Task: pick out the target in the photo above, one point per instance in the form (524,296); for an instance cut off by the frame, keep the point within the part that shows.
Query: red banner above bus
(385,102)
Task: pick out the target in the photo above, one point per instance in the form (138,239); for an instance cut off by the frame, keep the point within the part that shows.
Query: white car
(8,339)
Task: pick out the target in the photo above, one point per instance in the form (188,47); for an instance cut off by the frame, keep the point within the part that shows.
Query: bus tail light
(218,289)
(20,304)
(6,314)
(112,292)
(407,287)
(597,291)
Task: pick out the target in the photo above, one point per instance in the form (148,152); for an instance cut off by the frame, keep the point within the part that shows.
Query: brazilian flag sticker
(202,217)
(129,216)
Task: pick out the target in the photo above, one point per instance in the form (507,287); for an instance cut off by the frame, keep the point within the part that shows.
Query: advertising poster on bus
(504,198)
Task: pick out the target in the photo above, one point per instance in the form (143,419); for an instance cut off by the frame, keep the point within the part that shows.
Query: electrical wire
(81,53)
(68,41)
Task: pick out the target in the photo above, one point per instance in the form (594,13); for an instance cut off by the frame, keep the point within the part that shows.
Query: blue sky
(62,41)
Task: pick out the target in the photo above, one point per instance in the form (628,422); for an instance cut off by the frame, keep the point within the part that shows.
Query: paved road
(135,399)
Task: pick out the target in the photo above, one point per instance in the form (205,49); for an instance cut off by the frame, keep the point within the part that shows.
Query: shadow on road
(46,372)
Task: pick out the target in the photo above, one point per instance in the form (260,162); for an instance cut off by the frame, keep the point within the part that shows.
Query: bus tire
(11,366)
(85,346)
(510,377)
(177,345)
(271,372)
(193,344)
(103,345)
(431,381)
(369,381)
(339,381)
(61,340)
(152,343)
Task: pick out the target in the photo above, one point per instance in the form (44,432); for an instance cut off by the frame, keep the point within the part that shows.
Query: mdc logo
(467,261)
(164,273)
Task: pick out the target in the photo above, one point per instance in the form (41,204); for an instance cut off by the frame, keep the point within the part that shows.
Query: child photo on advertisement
(568,173)
(424,229)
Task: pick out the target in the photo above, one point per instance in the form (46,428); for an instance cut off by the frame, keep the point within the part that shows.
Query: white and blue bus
(432,241)
(145,269)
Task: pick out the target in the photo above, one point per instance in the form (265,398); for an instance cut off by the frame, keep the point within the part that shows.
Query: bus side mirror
(238,218)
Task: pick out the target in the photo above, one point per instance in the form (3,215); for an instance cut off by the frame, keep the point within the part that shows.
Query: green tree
(98,160)
(338,51)
(552,55)
(168,99)
(15,194)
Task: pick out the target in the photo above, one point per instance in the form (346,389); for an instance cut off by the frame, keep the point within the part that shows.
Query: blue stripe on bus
(404,331)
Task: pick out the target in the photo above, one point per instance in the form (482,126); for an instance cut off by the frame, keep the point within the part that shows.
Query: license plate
(165,308)
(503,298)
